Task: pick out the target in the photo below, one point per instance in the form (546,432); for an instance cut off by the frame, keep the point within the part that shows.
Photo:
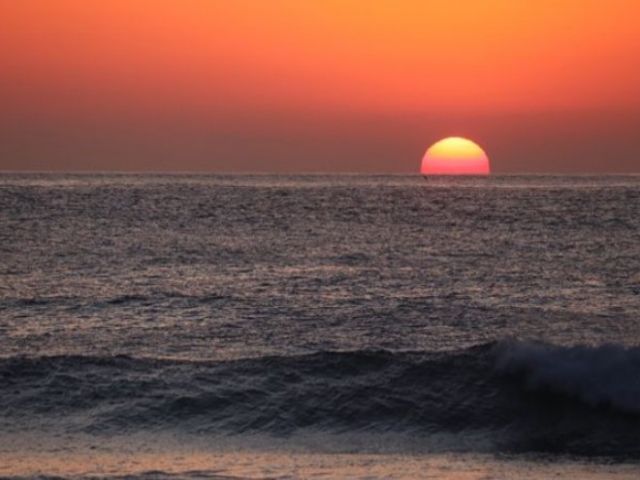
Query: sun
(455,156)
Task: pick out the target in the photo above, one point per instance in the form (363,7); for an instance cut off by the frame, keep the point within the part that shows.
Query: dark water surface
(382,315)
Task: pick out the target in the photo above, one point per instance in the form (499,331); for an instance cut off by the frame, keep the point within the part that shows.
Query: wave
(522,396)
(115,301)
(607,376)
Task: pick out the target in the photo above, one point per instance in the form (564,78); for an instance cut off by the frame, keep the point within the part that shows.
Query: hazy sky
(331,85)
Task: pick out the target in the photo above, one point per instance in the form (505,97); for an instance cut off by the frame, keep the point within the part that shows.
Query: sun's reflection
(243,464)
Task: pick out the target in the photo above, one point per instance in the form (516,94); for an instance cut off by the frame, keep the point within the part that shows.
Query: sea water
(262,326)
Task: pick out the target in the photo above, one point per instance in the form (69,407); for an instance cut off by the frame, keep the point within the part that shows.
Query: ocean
(345,326)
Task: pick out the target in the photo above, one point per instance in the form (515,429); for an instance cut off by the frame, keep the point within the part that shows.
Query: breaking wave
(522,396)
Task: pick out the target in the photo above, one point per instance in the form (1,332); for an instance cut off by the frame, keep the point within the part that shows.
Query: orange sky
(211,84)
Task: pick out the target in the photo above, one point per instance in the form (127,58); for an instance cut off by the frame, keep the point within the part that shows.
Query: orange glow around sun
(455,156)
(353,55)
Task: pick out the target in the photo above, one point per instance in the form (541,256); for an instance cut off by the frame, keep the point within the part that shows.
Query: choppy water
(319,315)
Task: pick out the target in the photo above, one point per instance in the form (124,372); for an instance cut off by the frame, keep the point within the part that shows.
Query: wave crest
(522,396)
(607,375)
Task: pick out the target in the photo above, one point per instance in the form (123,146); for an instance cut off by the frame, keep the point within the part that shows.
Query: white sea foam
(607,375)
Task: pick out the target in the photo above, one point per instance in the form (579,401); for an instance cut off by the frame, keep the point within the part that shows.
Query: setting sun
(455,156)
